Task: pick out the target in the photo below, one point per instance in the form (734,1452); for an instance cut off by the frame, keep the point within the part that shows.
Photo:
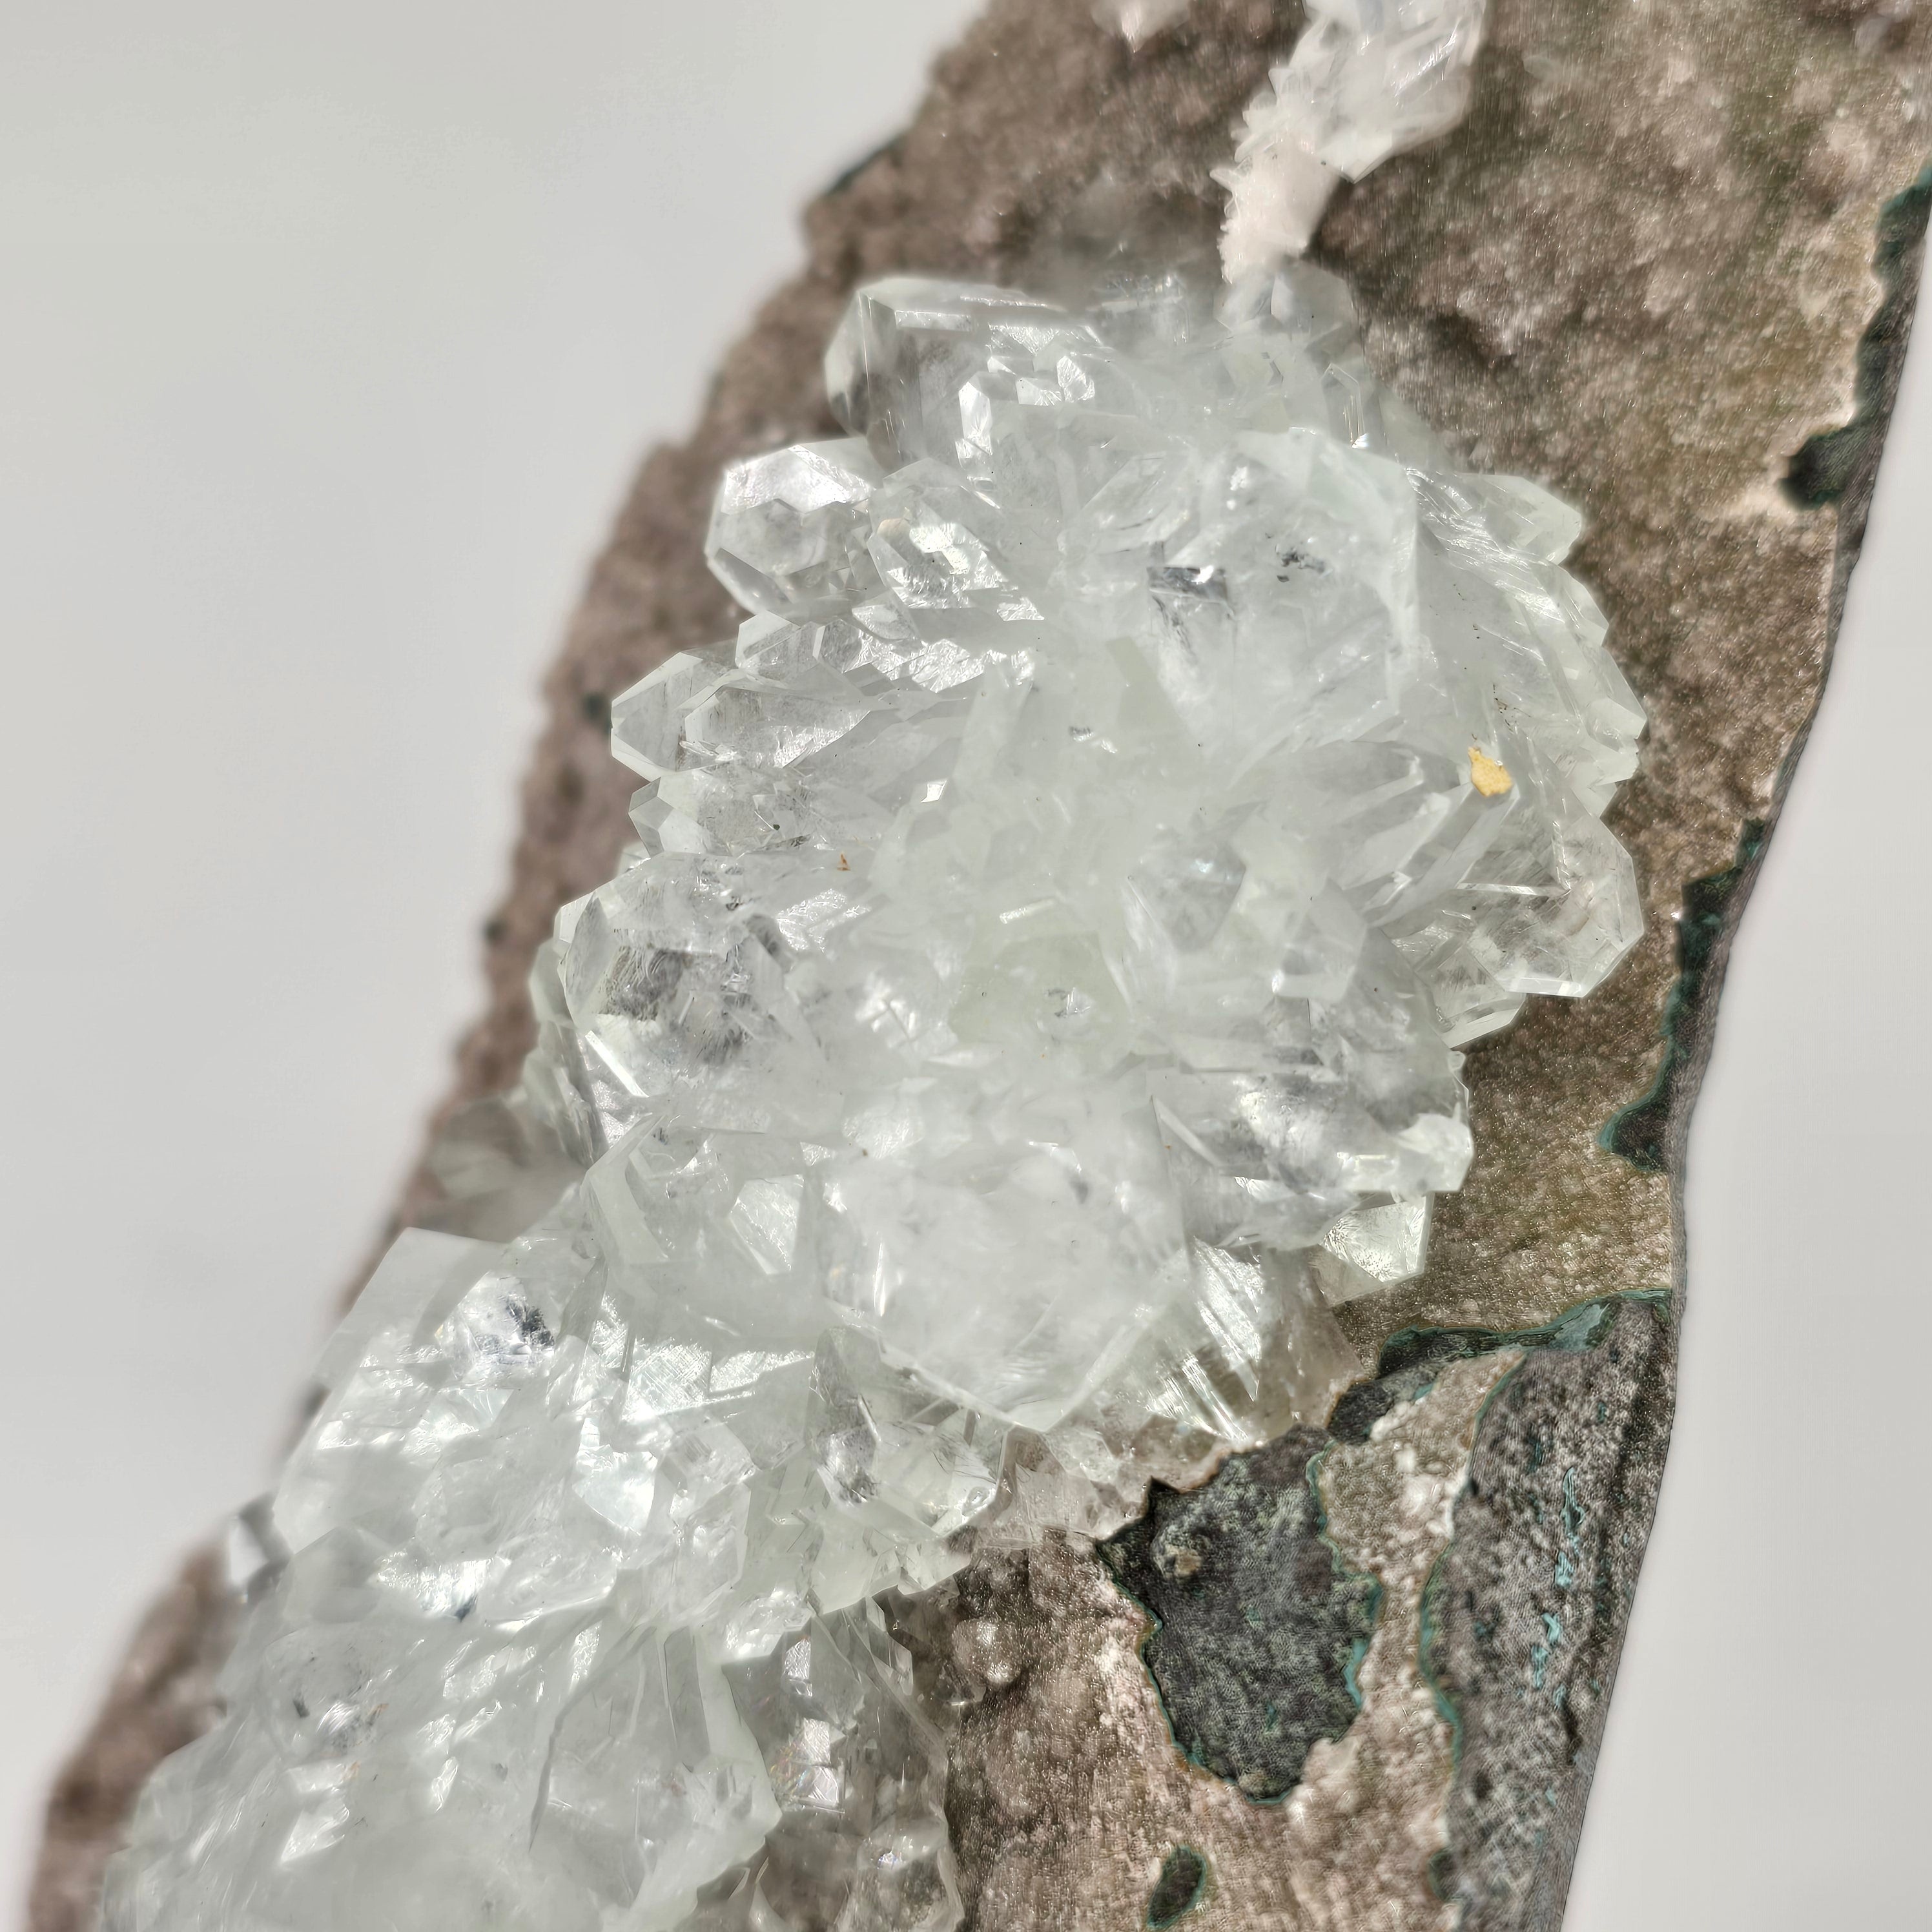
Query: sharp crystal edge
(1031,1003)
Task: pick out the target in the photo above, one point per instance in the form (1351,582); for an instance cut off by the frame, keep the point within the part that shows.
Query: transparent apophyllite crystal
(1033,995)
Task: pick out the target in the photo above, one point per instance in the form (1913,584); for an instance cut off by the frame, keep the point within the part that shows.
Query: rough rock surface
(1642,271)
(1259,1624)
(160,1699)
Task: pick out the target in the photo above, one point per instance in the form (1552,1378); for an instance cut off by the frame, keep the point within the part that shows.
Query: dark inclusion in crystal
(1259,1625)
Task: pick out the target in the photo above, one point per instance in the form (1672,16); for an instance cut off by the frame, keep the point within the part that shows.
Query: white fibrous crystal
(1033,998)
(1367,79)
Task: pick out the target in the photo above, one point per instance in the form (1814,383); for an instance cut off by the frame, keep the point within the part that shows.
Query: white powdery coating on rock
(1035,987)
(1368,79)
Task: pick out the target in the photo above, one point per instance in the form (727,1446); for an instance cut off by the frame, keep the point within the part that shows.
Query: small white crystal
(1364,82)
(1137,21)
(1035,989)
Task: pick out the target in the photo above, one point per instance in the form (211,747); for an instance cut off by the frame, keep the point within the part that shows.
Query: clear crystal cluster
(1366,79)
(1034,996)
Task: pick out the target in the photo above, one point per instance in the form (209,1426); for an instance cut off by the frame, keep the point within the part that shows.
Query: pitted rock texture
(1525,1615)
(1641,271)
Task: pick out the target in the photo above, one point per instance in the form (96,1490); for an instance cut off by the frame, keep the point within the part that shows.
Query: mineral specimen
(1034,996)
(1364,82)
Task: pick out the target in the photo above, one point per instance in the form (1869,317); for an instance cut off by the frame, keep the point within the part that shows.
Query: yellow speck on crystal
(1490,778)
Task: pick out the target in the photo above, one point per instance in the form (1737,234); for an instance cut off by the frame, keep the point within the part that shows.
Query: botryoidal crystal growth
(1033,998)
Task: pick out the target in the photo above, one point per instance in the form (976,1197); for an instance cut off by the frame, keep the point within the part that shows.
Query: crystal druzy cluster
(1034,995)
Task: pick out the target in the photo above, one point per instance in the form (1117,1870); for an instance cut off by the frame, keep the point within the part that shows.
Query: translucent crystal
(1365,81)
(1031,1002)
(1373,1247)
(781,531)
(853,1763)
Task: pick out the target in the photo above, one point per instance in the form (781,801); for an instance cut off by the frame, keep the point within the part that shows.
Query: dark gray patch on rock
(1525,1616)
(1258,1625)
(1183,1874)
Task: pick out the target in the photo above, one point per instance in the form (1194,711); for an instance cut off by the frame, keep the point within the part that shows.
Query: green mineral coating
(1183,1877)
(1410,1362)
(1823,470)
(1828,469)
(1258,1625)
(1412,1359)
(1524,1614)
(1639,1132)
(1259,1628)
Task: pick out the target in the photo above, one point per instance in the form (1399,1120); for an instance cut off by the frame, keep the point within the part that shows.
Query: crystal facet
(1034,996)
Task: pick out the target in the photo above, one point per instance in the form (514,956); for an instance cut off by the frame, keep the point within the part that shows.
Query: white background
(328,338)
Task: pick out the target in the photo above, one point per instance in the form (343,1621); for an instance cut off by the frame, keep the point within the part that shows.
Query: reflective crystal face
(1033,998)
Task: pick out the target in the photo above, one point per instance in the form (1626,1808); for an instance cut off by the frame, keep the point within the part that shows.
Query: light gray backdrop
(327,340)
